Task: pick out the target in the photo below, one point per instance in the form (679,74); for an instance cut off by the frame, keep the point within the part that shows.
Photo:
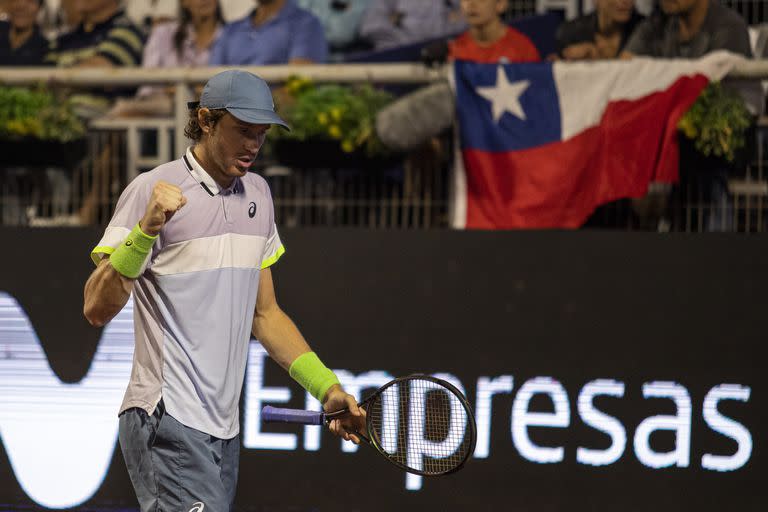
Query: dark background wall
(575,307)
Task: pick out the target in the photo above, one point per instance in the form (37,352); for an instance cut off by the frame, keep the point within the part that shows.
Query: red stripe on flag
(559,185)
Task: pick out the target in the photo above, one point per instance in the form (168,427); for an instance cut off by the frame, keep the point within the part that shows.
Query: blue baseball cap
(242,94)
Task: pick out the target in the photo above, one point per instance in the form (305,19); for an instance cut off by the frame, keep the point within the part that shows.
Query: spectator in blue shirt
(277,32)
(341,20)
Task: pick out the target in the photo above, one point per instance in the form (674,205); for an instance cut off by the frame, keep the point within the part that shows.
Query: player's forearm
(105,294)
(279,336)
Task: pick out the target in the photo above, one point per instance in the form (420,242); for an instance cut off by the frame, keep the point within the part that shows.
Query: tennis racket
(419,423)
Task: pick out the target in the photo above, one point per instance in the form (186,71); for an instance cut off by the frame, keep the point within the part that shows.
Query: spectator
(602,34)
(420,116)
(690,29)
(599,35)
(21,42)
(390,23)
(340,19)
(187,42)
(489,39)
(277,32)
(105,37)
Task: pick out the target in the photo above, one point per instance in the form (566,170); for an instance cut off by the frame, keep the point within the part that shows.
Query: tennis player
(194,240)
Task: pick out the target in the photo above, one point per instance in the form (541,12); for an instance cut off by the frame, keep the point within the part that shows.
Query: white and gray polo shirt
(195,300)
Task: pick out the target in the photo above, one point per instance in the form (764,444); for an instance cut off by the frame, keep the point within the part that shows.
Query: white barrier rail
(183,78)
(401,73)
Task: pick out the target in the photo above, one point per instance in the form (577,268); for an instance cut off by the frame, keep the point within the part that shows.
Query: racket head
(421,424)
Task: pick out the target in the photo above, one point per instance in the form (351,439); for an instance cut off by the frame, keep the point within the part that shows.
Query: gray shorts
(177,468)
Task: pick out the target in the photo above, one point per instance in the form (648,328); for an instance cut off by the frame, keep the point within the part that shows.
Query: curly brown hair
(193,130)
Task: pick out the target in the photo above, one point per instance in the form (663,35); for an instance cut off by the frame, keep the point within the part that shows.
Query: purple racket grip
(279,415)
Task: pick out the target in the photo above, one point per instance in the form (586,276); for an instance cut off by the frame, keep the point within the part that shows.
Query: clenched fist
(166,200)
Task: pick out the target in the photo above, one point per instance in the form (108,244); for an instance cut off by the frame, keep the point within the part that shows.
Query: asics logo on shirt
(252,209)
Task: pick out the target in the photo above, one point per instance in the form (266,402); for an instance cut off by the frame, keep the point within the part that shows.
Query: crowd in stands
(99,33)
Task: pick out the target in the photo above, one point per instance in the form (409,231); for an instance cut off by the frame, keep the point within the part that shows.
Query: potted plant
(39,129)
(714,129)
(332,126)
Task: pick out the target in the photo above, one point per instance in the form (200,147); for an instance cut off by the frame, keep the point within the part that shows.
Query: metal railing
(409,194)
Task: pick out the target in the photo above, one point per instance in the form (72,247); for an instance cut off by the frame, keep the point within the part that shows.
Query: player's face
(233,145)
(482,12)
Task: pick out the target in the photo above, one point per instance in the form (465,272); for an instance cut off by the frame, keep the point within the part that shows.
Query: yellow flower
(322,118)
(347,146)
(293,84)
(687,127)
(34,126)
(334,131)
(16,127)
(336,113)
(297,84)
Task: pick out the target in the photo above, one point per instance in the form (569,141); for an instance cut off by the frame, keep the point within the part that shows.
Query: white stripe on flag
(585,88)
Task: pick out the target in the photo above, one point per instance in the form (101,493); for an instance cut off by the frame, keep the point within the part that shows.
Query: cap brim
(257,116)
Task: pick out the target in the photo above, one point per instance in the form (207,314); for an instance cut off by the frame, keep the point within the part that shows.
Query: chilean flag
(541,145)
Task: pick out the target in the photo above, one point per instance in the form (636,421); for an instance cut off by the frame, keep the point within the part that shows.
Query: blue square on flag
(506,107)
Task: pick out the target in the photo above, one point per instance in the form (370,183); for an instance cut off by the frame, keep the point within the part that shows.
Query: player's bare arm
(105,294)
(106,290)
(284,343)
(273,328)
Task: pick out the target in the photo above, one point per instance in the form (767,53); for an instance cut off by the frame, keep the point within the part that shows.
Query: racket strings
(421,425)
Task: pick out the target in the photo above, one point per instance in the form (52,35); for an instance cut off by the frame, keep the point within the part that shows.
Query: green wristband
(129,257)
(312,374)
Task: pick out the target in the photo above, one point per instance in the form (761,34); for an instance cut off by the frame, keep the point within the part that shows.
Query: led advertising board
(605,370)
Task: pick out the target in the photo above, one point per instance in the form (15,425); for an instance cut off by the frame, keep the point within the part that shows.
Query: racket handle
(279,415)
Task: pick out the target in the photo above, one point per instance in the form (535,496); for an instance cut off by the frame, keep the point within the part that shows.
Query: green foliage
(37,113)
(717,122)
(346,114)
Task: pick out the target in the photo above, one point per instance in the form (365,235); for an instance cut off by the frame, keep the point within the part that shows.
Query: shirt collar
(199,174)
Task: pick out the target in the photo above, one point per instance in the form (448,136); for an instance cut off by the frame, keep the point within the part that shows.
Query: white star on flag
(505,96)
